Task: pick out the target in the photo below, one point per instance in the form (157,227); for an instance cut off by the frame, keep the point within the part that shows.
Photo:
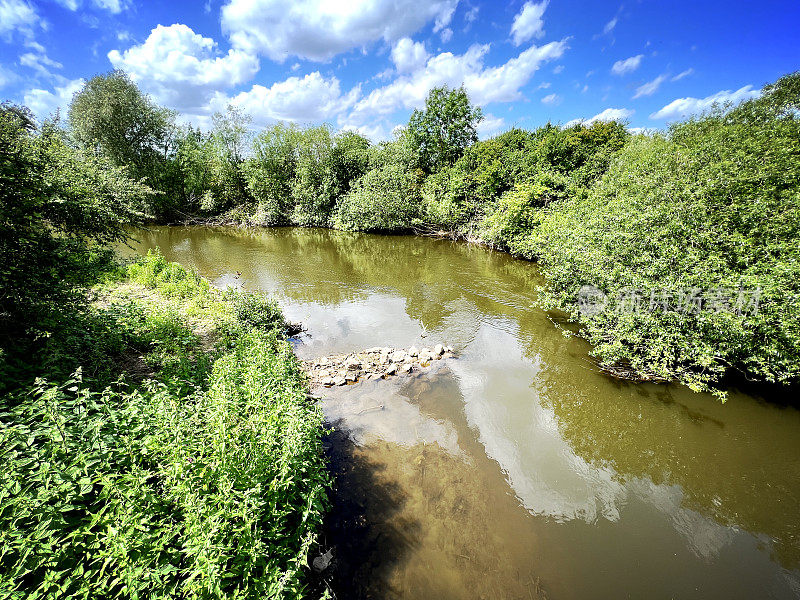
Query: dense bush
(297,175)
(712,206)
(458,199)
(207,482)
(57,207)
(519,211)
(387,197)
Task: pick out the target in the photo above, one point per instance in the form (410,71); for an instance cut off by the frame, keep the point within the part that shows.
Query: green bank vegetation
(156,435)
(709,206)
(196,472)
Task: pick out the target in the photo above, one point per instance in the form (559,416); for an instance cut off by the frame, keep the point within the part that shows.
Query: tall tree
(446,127)
(111,116)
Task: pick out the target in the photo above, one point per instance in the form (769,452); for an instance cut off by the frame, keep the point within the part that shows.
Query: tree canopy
(446,127)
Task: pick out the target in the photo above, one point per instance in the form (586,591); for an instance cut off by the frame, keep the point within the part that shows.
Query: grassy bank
(182,458)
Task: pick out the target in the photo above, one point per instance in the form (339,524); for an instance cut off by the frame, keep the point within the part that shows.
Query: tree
(58,207)
(226,148)
(112,117)
(446,127)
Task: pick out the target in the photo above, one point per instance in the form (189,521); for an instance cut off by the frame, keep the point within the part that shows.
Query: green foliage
(297,175)
(57,206)
(271,171)
(256,311)
(228,144)
(447,126)
(206,482)
(111,117)
(519,212)
(456,199)
(387,197)
(714,204)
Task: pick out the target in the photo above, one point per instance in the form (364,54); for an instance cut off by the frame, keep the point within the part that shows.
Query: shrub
(207,482)
(385,199)
(519,212)
(713,205)
(58,207)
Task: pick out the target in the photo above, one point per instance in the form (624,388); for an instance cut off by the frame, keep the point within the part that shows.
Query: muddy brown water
(516,470)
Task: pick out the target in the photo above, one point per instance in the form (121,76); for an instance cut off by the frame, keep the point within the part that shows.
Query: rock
(425,356)
(398,356)
(448,349)
(374,350)
(324,373)
(406,368)
(351,377)
(353,364)
(413,351)
(327,381)
(322,562)
(391,370)
(340,381)
(438,349)
(322,361)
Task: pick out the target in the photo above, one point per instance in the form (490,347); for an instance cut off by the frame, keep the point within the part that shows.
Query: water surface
(516,470)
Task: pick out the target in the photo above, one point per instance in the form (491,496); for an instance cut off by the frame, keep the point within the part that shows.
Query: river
(516,469)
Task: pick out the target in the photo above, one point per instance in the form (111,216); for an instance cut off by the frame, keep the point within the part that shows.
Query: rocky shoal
(373,363)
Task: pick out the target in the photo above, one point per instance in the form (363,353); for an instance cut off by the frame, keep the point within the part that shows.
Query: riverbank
(189,465)
(559,468)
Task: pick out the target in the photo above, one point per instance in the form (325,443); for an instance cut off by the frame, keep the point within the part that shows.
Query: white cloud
(629,65)
(557,69)
(683,74)
(112,6)
(471,14)
(409,56)
(483,84)
(552,99)
(44,103)
(683,107)
(610,25)
(39,63)
(6,77)
(528,23)
(490,126)
(181,68)
(609,114)
(311,98)
(446,35)
(650,88)
(17,15)
(318,29)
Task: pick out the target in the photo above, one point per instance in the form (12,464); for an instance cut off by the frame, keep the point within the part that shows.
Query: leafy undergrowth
(204,480)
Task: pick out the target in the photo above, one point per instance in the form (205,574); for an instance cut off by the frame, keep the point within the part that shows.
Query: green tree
(111,116)
(447,126)
(225,152)
(57,207)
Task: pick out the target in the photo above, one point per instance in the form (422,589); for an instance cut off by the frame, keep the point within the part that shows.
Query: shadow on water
(365,526)
(419,510)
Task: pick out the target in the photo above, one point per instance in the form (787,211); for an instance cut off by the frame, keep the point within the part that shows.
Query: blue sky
(365,64)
